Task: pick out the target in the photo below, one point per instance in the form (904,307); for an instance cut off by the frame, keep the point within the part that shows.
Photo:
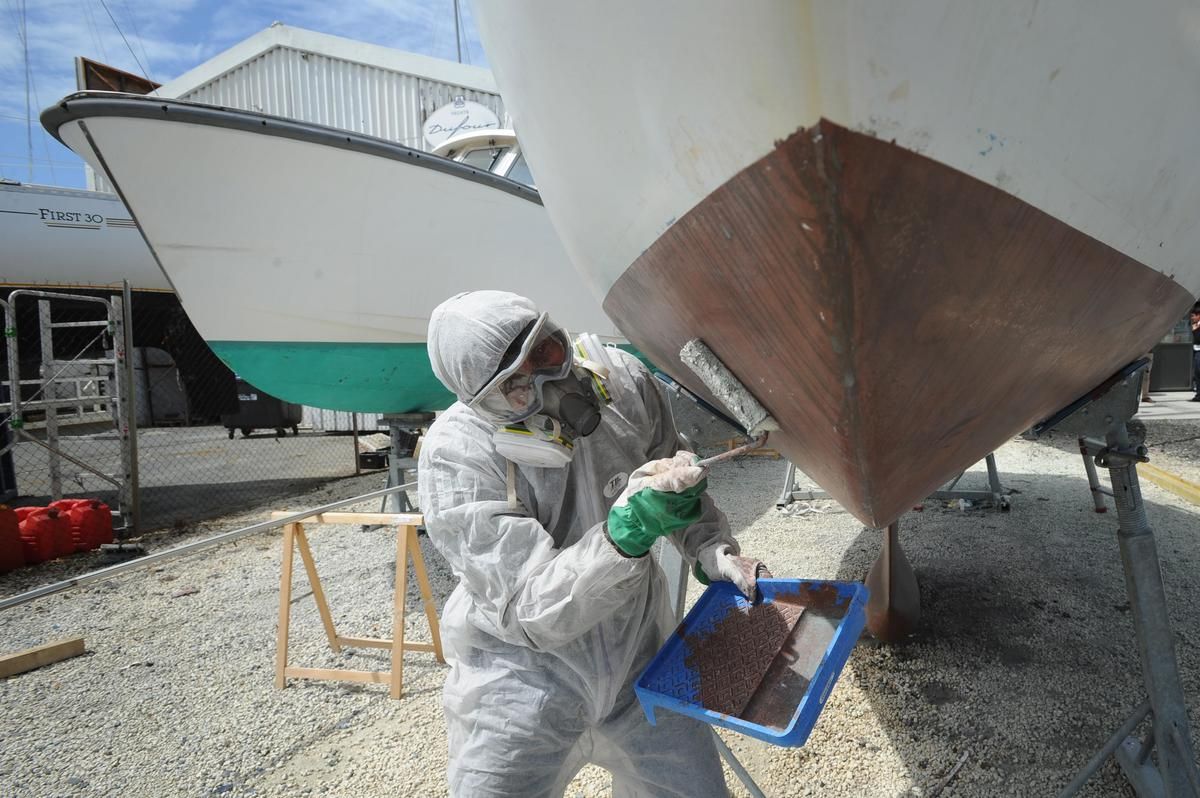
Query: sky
(162,39)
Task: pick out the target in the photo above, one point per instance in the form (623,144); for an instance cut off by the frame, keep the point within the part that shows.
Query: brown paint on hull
(900,319)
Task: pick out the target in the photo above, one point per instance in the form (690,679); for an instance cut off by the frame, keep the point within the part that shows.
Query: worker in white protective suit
(544,487)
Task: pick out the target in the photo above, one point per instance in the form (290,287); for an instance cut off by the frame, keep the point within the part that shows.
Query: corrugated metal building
(328,80)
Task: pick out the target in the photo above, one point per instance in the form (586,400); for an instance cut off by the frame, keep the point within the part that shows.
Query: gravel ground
(1025,661)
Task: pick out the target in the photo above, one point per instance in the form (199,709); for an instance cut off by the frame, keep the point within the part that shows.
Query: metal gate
(75,388)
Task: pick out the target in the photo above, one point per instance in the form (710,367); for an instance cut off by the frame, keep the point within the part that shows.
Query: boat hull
(1001,217)
(900,319)
(310,258)
(68,238)
(372,377)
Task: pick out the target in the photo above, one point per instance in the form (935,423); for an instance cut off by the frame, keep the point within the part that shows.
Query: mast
(457,35)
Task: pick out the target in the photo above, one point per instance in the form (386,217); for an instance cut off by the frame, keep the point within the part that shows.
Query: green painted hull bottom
(365,378)
(360,377)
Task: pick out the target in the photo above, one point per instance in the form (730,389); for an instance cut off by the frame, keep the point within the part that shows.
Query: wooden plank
(314,582)
(422,647)
(397,674)
(36,657)
(365,642)
(374,519)
(285,607)
(1168,481)
(426,594)
(368,677)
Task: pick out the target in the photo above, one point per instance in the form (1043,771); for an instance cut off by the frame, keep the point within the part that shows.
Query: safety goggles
(515,391)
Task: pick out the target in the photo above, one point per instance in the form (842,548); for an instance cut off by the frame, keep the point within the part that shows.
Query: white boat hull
(67,238)
(312,267)
(671,99)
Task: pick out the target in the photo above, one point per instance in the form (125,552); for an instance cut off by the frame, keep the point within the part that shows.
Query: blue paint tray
(763,669)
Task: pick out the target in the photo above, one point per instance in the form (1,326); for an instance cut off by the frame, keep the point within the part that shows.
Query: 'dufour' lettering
(436,128)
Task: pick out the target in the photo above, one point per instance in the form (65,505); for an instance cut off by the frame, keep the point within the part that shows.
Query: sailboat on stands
(909,230)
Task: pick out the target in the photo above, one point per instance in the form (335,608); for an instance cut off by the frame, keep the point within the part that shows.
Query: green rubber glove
(662,496)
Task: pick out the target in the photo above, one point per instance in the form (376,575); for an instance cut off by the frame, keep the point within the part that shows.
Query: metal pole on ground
(129,390)
(50,391)
(357,465)
(187,548)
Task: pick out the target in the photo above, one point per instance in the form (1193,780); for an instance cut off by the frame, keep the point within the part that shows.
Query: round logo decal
(460,116)
(616,485)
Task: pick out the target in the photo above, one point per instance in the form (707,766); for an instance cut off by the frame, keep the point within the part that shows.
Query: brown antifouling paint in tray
(733,658)
(757,661)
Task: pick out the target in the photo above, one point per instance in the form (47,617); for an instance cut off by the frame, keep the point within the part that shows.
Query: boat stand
(994,494)
(1163,762)
(1097,490)
(401,427)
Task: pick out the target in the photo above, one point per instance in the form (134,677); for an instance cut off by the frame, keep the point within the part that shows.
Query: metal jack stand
(1098,491)
(1164,762)
(994,493)
(400,426)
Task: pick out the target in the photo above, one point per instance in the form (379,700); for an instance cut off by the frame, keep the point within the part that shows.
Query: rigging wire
(457,35)
(45,139)
(138,36)
(461,23)
(127,45)
(24,30)
(22,18)
(94,30)
(13,9)
(31,81)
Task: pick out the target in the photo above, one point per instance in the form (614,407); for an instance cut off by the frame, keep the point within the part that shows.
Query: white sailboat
(68,238)
(911,229)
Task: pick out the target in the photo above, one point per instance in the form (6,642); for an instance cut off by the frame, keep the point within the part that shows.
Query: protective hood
(469,334)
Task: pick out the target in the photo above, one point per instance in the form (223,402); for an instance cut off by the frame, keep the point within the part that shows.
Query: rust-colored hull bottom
(900,319)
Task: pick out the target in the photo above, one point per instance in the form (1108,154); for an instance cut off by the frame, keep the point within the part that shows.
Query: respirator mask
(542,405)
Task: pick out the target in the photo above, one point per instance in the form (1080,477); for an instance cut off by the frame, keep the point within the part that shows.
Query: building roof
(279,35)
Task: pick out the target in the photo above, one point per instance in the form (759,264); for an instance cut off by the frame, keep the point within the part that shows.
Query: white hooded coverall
(550,624)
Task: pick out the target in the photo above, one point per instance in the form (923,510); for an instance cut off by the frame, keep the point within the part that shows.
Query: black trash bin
(260,410)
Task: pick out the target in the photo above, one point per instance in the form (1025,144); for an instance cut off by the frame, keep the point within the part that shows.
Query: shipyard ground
(1025,662)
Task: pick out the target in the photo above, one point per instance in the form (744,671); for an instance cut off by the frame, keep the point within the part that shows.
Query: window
(483,158)
(520,171)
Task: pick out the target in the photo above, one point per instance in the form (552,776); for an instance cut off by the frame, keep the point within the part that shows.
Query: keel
(894,607)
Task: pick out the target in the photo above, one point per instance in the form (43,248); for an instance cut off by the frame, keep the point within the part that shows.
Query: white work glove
(670,475)
(721,562)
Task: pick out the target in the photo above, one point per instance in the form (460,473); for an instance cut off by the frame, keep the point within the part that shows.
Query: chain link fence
(196,457)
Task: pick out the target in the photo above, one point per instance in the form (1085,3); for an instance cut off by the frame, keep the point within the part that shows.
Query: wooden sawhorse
(406,546)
